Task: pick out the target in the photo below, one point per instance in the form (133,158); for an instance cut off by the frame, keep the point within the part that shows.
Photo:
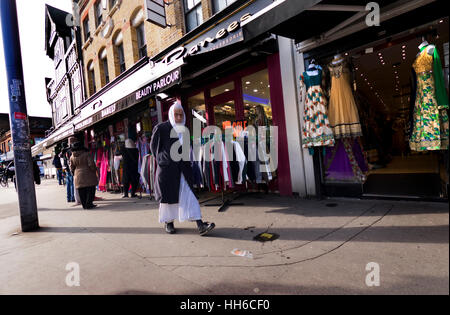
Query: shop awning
(312,23)
(273,17)
(139,86)
(62,133)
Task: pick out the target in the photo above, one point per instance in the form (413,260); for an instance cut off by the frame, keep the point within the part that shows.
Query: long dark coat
(168,173)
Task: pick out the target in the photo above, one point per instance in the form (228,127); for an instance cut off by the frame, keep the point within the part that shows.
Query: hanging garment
(103,171)
(239,157)
(431,127)
(316,127)
(346,161)
(145,171)
(342,111)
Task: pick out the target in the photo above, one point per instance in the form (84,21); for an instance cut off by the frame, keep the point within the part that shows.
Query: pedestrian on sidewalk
(83,168)
(58,166)
(130,156)
(67,153)
(174,179)
(36,171)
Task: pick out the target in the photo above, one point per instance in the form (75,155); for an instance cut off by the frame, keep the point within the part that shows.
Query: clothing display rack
(226,203)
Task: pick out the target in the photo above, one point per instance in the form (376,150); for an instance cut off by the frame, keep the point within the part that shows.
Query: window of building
(104,66)
(87,32)
(193,14)
(91,78)
(142,44)
(98,13)
(119,54)
(138,35)
(219,5)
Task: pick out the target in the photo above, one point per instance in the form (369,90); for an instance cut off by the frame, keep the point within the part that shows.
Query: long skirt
(188,208)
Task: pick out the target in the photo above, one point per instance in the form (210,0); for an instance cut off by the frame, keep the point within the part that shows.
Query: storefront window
(196,103)
(225,115)
(222,89)
(256,95)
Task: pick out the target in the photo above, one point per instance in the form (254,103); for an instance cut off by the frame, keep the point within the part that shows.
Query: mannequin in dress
(430,118)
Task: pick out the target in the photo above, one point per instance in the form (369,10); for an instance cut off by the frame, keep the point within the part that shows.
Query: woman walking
(173,187)
(83,167)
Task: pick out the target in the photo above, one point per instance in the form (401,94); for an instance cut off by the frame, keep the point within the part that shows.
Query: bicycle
(4,178)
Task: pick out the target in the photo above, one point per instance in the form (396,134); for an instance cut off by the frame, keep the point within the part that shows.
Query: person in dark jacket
(66,154)
(58,166)
(173,183)
(130,156)
(36,171)
(83,167)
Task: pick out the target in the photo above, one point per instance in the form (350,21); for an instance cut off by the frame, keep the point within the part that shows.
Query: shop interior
(237,102)
(382,80)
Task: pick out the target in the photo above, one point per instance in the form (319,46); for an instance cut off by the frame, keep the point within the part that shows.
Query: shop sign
(238,126)
(156,12)
(157,86)
(63,135)
(84,123)
(142,94)
(222,35)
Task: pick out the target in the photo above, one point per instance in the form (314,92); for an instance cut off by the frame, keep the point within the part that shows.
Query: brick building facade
(117,37)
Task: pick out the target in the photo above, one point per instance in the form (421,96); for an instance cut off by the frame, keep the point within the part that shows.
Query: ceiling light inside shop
(248,82)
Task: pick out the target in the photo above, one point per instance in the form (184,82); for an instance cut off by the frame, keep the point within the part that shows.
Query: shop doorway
(386,88)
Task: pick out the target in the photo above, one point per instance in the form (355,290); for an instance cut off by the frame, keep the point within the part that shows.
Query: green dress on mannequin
(431,126)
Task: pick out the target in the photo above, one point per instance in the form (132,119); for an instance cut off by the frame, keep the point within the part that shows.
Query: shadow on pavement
(397,234)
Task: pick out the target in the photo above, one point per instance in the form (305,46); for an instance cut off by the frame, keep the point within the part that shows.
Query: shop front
(235,86)
(373,99)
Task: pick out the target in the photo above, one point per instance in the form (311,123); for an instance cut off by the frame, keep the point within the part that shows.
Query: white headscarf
(178,127)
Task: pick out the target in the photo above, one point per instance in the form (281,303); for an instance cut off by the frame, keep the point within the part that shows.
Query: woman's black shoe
(170,228)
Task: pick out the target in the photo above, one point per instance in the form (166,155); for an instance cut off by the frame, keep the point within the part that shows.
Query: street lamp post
(18,117)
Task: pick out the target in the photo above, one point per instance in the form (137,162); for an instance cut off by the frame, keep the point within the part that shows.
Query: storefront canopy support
(387,13)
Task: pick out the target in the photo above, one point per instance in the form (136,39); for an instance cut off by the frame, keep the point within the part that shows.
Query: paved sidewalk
(323,248)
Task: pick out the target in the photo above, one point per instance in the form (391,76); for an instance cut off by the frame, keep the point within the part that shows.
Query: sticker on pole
(15,90)
(18,115)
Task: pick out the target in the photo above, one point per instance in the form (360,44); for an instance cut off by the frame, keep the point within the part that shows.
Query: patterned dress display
(430,121)
(316,128)
(343,113)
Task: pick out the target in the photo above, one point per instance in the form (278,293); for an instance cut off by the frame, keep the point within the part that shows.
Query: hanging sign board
(156,12)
